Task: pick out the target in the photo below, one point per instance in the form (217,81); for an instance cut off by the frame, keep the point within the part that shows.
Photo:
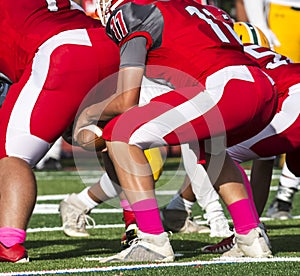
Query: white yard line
(63,196)
(169,192)
(53,209)
(50,229)
(156,265)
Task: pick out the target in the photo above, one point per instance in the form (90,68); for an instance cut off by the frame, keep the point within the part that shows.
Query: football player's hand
(82,120)
(89,116)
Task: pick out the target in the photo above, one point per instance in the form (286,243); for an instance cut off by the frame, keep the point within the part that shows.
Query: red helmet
(220,14)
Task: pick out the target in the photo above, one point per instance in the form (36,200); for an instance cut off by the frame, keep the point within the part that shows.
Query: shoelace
(134,241)
(83,220)
(137,239)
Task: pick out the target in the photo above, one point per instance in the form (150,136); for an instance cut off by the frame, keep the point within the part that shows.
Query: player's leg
(281,206)
(138,186)
(18,154)
(177,215)
(137,182)
(206,195)
(96,194)
(247,205)
(31,119)
(261,177)
(228,198)
(75,208)
(209,201)
(18,196)
(228,243)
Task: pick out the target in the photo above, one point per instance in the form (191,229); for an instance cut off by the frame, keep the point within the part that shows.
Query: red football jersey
(55,56)
(282,135)
(195,43)
(280,68)
(25,25)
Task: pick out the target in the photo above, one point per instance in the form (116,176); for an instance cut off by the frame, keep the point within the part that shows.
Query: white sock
(179,203)
(214,210)
(288,179)
(85,198)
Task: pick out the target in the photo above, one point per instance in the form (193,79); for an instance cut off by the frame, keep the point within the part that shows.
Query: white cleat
(254,244)
(145,248)
(74,217)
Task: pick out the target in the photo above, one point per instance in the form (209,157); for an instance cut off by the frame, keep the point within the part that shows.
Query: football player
(176,216)
(275,17)
(281,135)
(53,54)
(79,205)
(203,60)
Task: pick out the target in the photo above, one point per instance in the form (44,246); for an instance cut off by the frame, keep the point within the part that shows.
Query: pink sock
(242,216)
(125,205)
(147,216)
(249,192)
(11,236)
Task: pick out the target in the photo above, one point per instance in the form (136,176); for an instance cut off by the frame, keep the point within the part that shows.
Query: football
(90,138)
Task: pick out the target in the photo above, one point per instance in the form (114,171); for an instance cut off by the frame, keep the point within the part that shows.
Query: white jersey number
(52,5)
(194,11)
(276,62)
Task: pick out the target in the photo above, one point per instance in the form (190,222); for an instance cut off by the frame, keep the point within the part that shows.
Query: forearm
(105,111)
(127,96)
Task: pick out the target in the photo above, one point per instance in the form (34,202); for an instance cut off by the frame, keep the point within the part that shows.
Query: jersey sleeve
(133,53)
(132,20)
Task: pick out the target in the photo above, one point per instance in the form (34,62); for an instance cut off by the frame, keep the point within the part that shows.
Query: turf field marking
(50,229)
(63,196)
(195,264)
(53,209)
(107,226)
(158,192)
